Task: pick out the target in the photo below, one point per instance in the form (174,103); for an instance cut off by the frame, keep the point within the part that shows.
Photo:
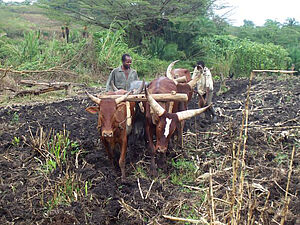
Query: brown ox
(114,124)
(184,88)
(161,120)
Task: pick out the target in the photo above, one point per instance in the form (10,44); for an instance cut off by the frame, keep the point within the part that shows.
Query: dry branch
(274,71)
(202,220)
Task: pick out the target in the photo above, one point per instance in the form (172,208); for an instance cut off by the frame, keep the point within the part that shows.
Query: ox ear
(92,109)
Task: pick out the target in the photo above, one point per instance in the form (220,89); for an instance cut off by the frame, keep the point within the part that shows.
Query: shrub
(241,55)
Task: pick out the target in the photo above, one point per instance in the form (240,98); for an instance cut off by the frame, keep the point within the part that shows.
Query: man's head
(126,61)
(200,64)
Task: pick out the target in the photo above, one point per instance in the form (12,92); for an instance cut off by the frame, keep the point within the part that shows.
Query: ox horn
(194,81)
(93,98)
(140,89)
(122,98)
(113,86)
(170,67)
(154,104)
(190,113)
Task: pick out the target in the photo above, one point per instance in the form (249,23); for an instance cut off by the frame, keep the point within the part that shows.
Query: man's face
(127,62)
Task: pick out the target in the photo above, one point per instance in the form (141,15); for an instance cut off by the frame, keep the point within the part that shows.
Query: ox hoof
(214,120)
(153,172)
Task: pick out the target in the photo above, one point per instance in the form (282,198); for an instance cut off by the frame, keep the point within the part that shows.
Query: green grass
(184,172)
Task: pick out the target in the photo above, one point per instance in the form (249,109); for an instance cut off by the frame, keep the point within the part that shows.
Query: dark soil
(273,120)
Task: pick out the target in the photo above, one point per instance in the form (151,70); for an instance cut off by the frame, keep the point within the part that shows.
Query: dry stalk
(211,196)
(132,212)
(234,176)
(287,200)
(179,219)
(149,189)
(235,217)
(140,189)
(265,207)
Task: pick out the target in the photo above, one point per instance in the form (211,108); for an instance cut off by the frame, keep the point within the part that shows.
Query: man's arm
(109,80)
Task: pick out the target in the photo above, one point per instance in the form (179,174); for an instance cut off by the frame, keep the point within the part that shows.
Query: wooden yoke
(157,97)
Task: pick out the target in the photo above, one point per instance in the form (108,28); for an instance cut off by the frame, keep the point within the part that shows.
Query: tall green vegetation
(162,29)
(286,35)
(153,32)
(228,53)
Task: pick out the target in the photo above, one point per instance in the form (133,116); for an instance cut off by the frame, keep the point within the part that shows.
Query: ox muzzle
(107,133)
(161,149)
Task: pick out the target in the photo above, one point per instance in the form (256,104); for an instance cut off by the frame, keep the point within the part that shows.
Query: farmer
(205,88)
(123,75)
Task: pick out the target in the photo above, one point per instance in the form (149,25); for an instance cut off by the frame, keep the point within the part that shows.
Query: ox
(163,121)
(114,124)
(138,127)
(184,88)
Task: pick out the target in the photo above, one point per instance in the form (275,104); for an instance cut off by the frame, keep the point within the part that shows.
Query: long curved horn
(93,98)
(157,107)
(113,86)
(170,67)
(190,113)
(122,98)
(194,81)
(140,89)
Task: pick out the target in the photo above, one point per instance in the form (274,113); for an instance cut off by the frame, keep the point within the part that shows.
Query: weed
(184,173)
(140,172)
(16,141)
(64,192)
(55,148)
(15,118)
(281,158)
(189,210)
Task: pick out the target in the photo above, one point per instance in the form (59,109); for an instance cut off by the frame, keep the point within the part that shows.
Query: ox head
(168,122)
(191,84)
(110,115)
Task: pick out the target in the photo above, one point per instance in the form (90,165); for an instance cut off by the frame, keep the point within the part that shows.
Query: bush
(241,55)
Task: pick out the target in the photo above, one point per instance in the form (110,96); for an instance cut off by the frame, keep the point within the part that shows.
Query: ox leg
(122,159)
(109,152)
(180,132)
(149,134)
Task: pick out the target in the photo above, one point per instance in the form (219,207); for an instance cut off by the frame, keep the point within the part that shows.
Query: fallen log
(44,90)
(142,97)
(33,82)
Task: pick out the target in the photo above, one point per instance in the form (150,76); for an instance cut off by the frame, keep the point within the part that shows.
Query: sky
(258,11)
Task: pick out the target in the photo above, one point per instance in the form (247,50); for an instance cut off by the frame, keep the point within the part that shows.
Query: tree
(248,23)
(140,18)
(291,22)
